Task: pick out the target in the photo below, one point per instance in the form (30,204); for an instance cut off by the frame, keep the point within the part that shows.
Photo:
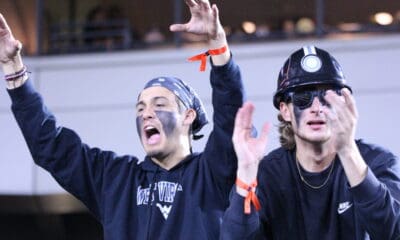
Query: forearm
(377,206)
(238,225)
(353,164)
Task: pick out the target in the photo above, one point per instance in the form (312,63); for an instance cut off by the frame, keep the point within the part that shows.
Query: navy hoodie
(137,199)
(291,210)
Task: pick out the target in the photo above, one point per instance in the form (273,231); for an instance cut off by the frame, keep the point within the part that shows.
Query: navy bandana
(188,97)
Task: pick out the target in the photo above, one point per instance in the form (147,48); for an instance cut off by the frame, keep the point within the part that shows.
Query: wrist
(220,56)
(218,41)
(347,150)
(12,66)
(242,192)
(248,191)
(248,174)
(17,78)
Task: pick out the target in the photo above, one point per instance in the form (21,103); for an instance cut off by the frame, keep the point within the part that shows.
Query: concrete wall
(95,95)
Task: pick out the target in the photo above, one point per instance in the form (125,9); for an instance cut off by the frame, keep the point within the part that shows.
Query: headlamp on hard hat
(309,66)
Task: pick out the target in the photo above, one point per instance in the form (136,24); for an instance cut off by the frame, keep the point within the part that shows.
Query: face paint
(139,124)
(168,121)
(297,114)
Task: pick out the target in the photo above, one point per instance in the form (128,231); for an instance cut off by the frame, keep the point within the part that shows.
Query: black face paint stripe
(168,121)
(297,114)
(139,125)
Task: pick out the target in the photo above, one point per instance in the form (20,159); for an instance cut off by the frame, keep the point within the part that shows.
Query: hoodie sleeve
(238,225)
(377,198)
(76,167)
(227,97)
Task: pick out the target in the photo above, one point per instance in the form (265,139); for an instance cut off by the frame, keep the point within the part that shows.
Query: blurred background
(70,26)
(90,59)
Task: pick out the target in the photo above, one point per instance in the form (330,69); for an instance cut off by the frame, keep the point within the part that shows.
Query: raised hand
(249,150)
(343,116)
(204,20)
(9,46)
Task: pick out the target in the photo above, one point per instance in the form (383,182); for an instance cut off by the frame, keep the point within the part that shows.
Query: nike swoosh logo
(343,207)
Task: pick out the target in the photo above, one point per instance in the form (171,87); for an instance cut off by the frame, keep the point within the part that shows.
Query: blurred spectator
(263,30)
(289,28)
(305,26)
(154,36)
(106,28)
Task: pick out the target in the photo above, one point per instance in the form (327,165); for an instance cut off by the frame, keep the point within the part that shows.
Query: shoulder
(372,150)
(374,154)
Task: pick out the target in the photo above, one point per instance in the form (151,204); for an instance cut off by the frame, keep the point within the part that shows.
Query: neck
(170,159)
(167,162)
(314,157)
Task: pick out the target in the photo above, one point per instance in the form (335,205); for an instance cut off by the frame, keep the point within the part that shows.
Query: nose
(316,106)
(147,113)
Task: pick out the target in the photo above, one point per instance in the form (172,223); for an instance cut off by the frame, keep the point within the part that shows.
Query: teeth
(149,128)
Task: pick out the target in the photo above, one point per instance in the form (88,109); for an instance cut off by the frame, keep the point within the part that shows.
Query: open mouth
(152,134)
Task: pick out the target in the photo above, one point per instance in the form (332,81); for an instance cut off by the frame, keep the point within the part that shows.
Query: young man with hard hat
(321,183)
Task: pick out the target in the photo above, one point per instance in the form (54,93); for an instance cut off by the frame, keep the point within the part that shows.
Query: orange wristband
(251,195)
(203,56)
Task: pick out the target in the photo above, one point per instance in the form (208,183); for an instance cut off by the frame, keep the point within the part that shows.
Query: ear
(190,116)
(285,111)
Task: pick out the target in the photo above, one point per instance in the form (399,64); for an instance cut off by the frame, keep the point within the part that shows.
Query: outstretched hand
(9,46)
(249,150)
(204,20)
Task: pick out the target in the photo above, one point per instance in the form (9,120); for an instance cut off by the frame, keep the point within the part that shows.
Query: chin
(155,154)
(319,139)
(315,137)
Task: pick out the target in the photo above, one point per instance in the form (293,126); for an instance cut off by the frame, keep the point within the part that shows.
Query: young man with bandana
(174,193)
(321,183)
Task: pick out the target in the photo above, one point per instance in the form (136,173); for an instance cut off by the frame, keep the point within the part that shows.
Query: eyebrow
(141,102)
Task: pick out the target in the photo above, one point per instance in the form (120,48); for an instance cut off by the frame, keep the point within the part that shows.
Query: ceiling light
(249,27)
(383,18)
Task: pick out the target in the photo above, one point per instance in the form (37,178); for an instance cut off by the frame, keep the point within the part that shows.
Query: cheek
(168,121)
(139,124)
(297,114)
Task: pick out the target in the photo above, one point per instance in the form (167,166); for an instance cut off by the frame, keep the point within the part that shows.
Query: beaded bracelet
(203,56)
(251,196)
(16,75)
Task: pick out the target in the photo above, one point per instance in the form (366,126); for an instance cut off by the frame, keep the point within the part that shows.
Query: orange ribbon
(203,56)
(251,195)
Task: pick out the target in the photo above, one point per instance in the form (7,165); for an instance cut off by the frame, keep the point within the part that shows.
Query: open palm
(204,19)
(249,150)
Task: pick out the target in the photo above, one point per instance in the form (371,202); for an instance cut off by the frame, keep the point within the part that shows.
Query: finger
(247,117)
(264,133)
(178,27)
(340,106)
(238,130)
(18,45)
(333,103)
(215,13)
(3,23)
(242,128)
(204,5)
(191,3)
(350,101)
